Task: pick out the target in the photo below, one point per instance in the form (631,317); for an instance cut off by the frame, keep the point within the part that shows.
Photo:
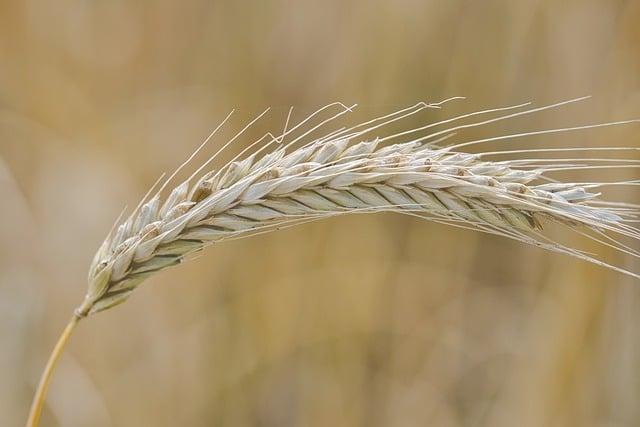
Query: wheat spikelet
(349,171)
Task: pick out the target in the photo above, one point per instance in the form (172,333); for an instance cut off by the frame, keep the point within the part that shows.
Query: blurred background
(376,320)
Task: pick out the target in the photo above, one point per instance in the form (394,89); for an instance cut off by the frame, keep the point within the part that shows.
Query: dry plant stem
(38,398)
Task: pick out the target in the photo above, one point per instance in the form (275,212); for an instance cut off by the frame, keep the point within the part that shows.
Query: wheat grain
(344,172)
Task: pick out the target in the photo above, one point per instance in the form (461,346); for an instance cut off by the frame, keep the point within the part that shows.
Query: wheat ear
(349,171)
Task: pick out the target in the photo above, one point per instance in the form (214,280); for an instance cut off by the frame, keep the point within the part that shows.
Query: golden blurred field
(374,320)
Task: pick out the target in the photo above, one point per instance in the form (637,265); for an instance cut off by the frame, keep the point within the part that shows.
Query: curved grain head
(363,169)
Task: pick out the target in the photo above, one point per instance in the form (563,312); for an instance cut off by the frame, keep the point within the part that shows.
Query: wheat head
(349,171)
(360,169)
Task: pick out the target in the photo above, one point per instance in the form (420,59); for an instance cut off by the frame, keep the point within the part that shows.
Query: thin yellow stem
(38,398)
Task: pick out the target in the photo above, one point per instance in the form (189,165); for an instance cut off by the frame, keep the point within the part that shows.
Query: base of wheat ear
(355,170)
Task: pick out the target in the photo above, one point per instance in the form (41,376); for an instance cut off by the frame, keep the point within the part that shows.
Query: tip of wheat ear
(361,170)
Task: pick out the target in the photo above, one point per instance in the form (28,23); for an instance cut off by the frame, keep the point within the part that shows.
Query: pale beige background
(355,321)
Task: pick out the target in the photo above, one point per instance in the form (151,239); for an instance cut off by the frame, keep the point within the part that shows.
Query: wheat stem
(38,398)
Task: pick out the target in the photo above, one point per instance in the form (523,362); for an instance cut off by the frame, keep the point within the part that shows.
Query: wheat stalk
(345,172)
